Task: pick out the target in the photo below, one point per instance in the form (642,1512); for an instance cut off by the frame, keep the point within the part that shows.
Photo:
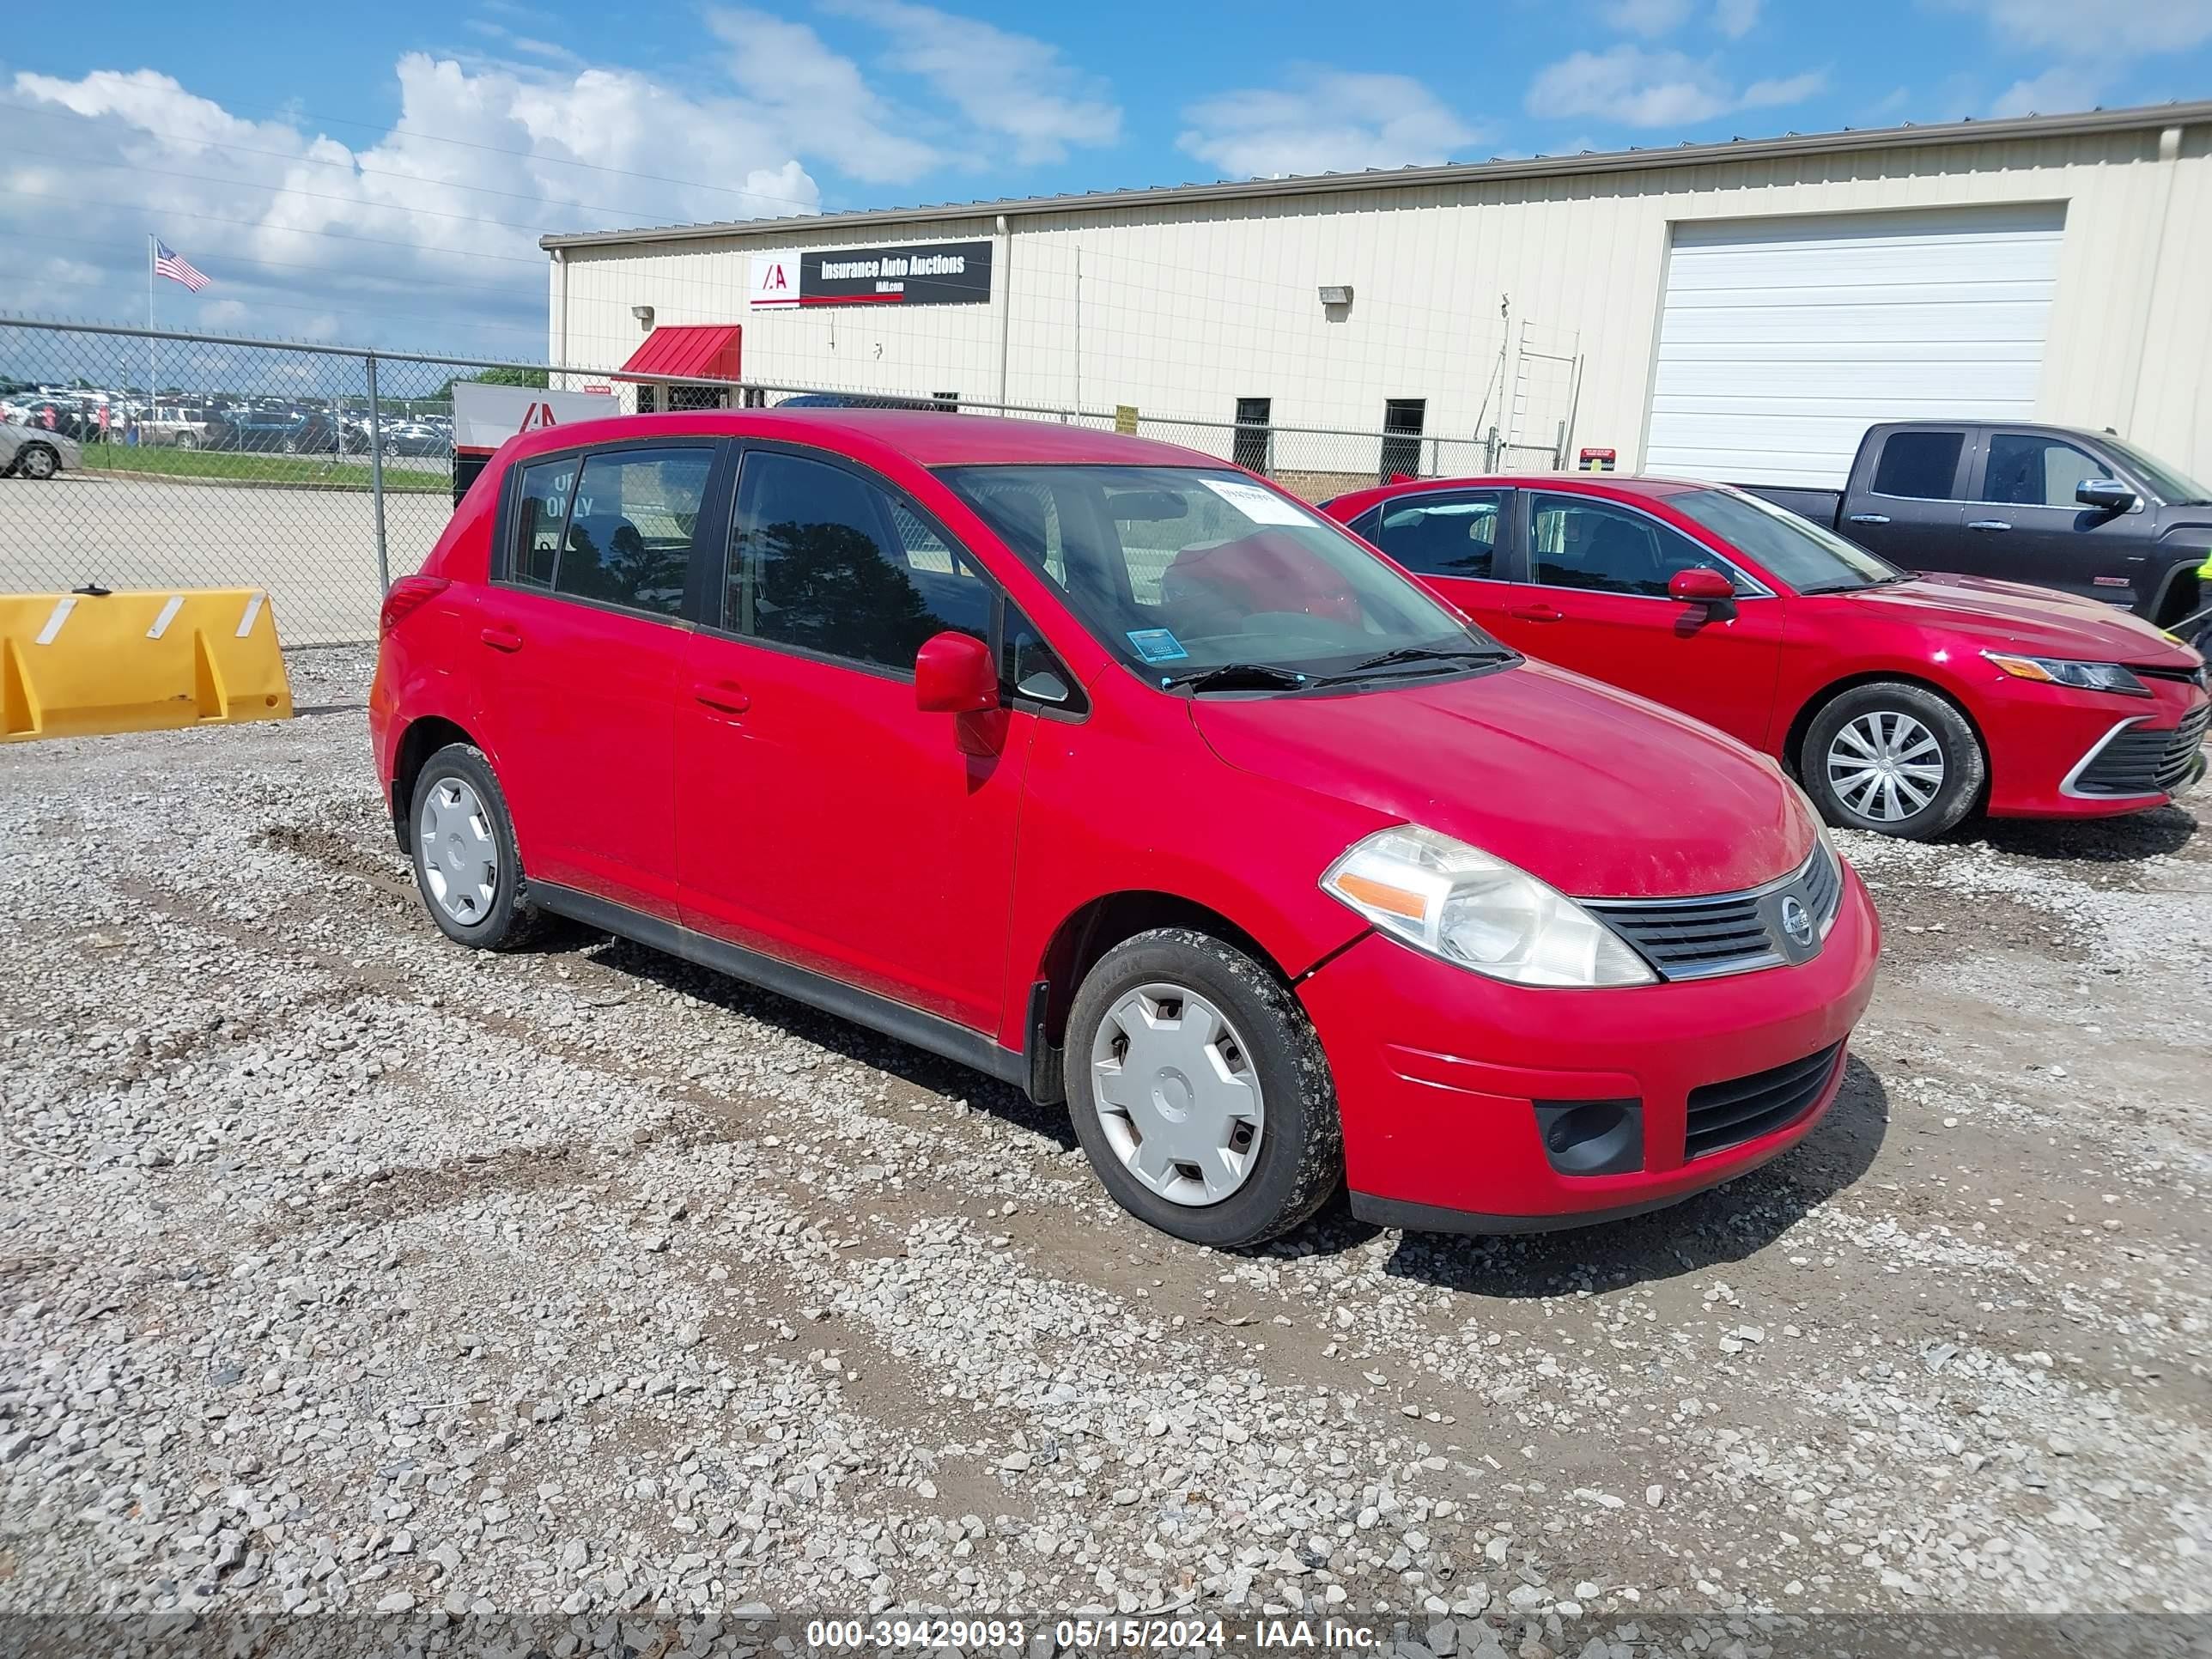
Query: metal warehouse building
(1739,310)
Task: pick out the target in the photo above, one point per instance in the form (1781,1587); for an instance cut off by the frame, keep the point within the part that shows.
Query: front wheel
(185,440)
(465,863)
(1893,758)
(1199,1091)
(37,461)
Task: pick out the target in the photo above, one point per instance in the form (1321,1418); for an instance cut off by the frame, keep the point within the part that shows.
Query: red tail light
(406,596)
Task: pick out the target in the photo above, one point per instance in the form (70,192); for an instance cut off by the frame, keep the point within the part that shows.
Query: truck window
(1923,465)
(2025,471)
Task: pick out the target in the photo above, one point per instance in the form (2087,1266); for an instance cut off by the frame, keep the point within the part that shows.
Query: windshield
(1793,550)
(2175,489)
(1180,571)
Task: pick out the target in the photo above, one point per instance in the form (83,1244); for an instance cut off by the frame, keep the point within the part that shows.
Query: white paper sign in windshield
(1261,505)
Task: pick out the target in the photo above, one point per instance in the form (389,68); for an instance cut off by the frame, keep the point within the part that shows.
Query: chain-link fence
(319,473)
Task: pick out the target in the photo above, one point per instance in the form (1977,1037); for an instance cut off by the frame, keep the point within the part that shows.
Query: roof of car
(926,437)
(1623,484)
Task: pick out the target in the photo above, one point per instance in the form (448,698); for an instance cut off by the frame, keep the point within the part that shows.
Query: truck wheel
(1199,1091)
(1893,758)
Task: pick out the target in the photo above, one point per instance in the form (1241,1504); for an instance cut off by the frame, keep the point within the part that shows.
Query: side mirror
(2106,495)
(953,674)
(1700,585)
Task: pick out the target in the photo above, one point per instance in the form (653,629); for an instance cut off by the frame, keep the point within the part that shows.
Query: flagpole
(153,375)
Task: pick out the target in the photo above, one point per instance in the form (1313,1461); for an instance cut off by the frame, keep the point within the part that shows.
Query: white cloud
(1735,18)
(1649,18)
(2122,26)
(413,238)
(1639,87)
(1003,85)
(787,68)
(2054,92)
(1326,121)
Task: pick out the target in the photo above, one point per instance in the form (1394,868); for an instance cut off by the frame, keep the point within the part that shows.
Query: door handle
(1987,524)
(724,696)
(1536,613)
(502,638)
(1870,518)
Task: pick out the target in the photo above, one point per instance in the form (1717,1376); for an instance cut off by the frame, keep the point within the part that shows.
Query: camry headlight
(2061,670)
(1458,902)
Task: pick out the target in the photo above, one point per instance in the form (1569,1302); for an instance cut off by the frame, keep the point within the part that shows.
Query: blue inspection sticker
(1158,645)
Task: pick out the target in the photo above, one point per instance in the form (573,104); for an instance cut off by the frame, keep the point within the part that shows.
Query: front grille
(2140,762)
(1728,933)
(1725,1114)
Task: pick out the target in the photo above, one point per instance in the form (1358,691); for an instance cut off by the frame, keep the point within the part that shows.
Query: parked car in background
(321,432)
(417,438)
(259,431)
(174,426)
(32,452)
(2084,512)
(676,675)
(1903,703)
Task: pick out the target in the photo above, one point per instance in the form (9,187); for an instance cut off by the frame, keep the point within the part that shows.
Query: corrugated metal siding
(1188,306)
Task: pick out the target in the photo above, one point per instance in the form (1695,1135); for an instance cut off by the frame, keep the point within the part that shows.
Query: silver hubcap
(1177,1094)
(459,857)
(1886,765)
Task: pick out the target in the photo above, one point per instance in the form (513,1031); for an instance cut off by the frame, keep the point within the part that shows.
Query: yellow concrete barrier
(74,664)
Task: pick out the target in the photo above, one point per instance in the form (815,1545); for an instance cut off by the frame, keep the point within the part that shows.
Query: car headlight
(2061,670)
(1457,902)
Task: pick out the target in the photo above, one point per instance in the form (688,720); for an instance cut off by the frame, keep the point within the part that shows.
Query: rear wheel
(1199,1091)
(465,863)
(1893,758)
(185,440)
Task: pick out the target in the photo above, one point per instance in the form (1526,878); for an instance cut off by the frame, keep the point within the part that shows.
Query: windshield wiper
(1238,676)
(1415,653)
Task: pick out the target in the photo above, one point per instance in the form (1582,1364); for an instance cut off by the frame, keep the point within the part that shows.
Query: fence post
(376,478)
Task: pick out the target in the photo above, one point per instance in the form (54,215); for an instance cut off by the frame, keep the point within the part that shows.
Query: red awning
(696,351)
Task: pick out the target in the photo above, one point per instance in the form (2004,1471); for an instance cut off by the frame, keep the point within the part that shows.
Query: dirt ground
(341,1269)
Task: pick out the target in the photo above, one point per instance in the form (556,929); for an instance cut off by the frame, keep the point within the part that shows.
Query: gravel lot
(347,1270)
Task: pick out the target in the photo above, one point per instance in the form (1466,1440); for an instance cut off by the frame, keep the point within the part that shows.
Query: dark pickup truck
(2083,512)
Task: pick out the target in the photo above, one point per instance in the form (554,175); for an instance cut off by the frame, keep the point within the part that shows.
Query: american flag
(168,262)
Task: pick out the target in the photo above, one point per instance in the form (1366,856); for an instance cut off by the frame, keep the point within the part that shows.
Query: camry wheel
(1199,1091)
(37,461)
(463,843)
(1893,758)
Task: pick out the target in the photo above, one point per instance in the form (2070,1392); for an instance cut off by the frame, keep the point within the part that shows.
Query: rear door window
(540,516)
(1920,465)
(629,530)
(827,561)
(1446,534)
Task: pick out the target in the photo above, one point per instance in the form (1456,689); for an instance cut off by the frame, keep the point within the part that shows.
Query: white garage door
(1781,342)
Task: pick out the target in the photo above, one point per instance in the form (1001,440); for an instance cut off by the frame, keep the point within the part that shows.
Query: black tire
(507,921)
(38,461)
(185,440)
(1964,767)
(1300,1159)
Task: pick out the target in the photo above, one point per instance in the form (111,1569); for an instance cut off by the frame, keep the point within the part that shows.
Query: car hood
(2012,614)
(1598,792)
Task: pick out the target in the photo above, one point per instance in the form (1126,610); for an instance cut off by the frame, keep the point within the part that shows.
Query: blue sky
(380,174)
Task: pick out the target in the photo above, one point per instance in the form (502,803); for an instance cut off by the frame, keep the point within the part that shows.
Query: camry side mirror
(2107,494)
(1700,585)
(953,674)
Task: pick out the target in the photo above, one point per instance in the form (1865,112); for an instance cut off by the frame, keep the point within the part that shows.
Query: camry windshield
(1793,550)
(2174,488)
(1211,581)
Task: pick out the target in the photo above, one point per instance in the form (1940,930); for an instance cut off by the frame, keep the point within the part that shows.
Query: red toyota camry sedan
(1098,766)
(1903,702)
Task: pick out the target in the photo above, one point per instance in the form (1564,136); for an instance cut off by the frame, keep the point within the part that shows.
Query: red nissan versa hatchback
(1103,768)
(1904,703)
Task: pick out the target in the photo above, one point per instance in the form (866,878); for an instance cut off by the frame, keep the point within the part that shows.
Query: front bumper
(1437,1138)
(2046,744)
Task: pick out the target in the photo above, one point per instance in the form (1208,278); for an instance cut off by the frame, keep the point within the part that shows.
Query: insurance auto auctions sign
(926,274)
(486,417)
